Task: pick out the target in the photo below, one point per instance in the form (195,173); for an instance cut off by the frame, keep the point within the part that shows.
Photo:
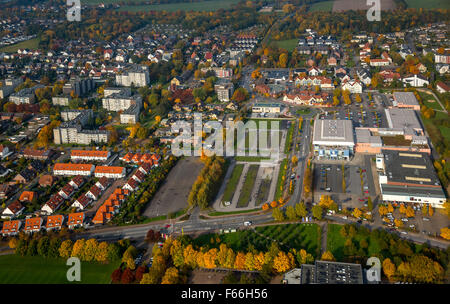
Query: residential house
(54,222)
(46,180)
(25,176)
(13,210)
(11,228)
(33,224)
(75,220)
(82,202)
(110,171)
(27,196)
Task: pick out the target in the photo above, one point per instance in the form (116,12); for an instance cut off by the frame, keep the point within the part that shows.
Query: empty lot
(173,194)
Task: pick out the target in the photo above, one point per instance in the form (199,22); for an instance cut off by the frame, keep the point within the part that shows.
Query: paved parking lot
(364,114)
(359,184)
(173,194)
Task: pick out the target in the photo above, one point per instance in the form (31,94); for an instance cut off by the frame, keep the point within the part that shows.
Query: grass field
(429,123)
(298,236)
(288,45)
(232,183)
(426,97)
(325,6)
(220,213)
(287,145)
(247,188)
(429,4)
(16,269)
(108,1)
(279,192)
(31,44)
(212,5)
(335,242)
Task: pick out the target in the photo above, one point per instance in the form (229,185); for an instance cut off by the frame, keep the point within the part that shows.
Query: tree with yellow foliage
(357,213)
(445,233)
(388,268)
(210,258)
(171,276)
(402,209)
(398,223)
(13,243)
(283,262)
(327,256)
(78,248)
(410,212)
(382,210)
(239,262)
(430,211)
(390,208)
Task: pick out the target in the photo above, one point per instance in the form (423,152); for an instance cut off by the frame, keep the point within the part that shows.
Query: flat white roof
(328,132)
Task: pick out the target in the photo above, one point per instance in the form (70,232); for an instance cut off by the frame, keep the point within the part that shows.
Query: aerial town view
(195,142)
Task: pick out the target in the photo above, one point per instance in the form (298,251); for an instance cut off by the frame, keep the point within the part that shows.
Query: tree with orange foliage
(283,262)
(265,206)
(239,262)
(273,204)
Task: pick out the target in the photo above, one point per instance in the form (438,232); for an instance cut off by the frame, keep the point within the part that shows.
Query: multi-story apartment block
(137,75)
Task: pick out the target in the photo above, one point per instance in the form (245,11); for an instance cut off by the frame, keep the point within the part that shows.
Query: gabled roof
(78,180)
(33,223)
(75,218)
(89,153)
(83,200)
(15,207)
(10,226)
(109,169)
(72,167)
(54,221)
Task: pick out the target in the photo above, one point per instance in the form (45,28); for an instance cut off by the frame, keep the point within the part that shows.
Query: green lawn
(247,188)
(232,183)
(218,213)
(279,192)
(429,4)
(289,45)
(15,269)
(287,145)
(426,100)
(325,6)
(31,44)
(212,5)
(335,242)
(298,236)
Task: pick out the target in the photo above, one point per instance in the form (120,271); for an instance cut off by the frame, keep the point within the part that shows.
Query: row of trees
(54,247)
(207,183)
(171,262)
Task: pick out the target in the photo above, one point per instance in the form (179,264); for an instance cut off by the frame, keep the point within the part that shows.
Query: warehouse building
(409,177)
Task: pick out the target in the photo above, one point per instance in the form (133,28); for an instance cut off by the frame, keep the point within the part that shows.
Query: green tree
(277,214)
(300,209)
(317,212)
(290,213)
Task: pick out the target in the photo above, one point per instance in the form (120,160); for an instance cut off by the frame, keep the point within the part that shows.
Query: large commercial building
(409,177)
(403,120)
(406,100)
(333,139)
(266,108)
(137,75)
(325,272)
